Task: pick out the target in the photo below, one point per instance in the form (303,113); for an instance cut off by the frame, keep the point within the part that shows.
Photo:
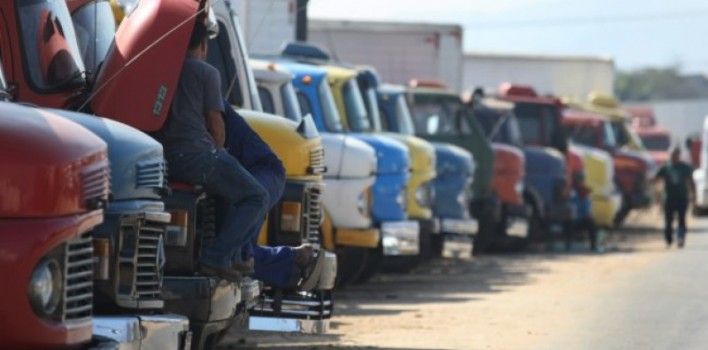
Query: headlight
(45,288)
(290,216)
(425,195)
(519,188)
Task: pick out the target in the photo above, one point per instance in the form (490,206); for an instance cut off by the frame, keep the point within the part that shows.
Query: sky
(636,33)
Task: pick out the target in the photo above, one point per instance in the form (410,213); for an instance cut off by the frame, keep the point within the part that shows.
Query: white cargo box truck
(267,24)
(571,76)
(399,51)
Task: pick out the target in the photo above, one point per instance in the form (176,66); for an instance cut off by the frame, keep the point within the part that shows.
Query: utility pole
(301,21)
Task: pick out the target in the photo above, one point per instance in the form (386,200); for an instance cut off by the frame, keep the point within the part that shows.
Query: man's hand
(217,129)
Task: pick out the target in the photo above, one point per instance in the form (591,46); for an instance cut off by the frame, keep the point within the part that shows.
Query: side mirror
(433,125)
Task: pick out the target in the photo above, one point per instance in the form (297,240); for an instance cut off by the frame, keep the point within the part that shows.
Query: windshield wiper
(497,127)
(71,81)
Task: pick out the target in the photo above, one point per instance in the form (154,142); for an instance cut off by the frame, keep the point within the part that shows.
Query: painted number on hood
(160,101)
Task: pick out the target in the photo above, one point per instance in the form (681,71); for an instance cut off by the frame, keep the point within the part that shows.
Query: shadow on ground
(438,281)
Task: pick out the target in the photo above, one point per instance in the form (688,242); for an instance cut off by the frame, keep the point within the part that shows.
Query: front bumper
(456,246)
(400,238)
(459,226)
(145,332)
(605,208)
(362,238)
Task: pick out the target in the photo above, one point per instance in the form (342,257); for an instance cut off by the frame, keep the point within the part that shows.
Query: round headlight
(362,203)
(424,195)
(45,288)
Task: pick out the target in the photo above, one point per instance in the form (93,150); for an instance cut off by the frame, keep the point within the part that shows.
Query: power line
(594,20)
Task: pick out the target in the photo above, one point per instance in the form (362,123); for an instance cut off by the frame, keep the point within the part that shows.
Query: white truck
(267,24)
(400,51)
(567,76)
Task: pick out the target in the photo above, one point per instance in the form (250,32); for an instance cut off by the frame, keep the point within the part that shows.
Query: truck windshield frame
(354,107)
(49,46)
(537,123)
(372,103)
(330,114)
(404,117)
(500,127)
(429,106)
(95,29)
(291,108)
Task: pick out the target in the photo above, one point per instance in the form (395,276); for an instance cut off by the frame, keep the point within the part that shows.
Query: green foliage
(660,84)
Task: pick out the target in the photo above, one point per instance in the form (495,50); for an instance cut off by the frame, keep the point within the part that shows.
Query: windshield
(355,108)
(499,128)
(403,117)
(621,137)
(329,108)
(656,142)
(435,114)
(585,135)
(49,44)
(609,139)
(537,123)
(290,103)
(95,29)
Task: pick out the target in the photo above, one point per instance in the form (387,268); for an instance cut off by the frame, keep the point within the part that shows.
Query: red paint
(140,74)
(509,170)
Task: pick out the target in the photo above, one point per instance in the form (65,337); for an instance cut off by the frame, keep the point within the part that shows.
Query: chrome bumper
(288,325)
(457,246)
(517,227)
(400,238)
(459,226)
(145,332)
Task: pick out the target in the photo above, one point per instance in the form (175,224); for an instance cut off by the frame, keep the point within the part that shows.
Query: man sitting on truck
(193,139)
(281,267)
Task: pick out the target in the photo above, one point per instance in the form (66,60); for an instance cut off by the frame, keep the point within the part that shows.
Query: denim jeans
(245,201)
(675,206)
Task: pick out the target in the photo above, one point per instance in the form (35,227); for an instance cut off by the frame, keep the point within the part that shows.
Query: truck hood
(44,162)
(145,57)
(509,160)
(628,160)
(659,157)
(347,157)
(422,152)
(301,153)
(138,167)
(599,169)
(391,155)
(453,160)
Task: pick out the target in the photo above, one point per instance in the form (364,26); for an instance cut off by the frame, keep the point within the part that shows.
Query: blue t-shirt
(198,91)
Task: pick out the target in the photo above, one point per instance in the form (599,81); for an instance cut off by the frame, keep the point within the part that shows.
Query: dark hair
(199,34)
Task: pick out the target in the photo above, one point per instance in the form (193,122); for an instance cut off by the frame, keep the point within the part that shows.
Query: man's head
(199,40)
(676,155)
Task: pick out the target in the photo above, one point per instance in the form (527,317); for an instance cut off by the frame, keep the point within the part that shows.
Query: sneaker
(304,255)
(225,273)
(245,268)
(668,244)
(681,243)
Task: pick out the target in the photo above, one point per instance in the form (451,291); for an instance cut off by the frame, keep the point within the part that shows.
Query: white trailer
(399,51)
(571,76)
(267,24)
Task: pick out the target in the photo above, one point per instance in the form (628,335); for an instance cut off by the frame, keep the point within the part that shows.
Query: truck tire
(485,237)
(351,262)
(372,266)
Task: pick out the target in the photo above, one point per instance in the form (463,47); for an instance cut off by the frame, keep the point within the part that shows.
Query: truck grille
(151,174)
(96,182)
(317,162)
(313,214)
(151,261)
(78,284)
(141,263)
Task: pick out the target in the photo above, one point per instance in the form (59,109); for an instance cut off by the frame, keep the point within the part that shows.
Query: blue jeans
(245,201)
(672,207)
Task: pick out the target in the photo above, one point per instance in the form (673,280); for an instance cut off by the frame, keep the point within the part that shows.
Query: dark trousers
(586,224)
(245,201)
(673,207)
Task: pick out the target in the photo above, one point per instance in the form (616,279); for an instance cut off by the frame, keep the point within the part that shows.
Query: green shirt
(676,177)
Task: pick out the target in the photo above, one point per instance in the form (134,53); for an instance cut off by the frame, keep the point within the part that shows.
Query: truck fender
(535,199)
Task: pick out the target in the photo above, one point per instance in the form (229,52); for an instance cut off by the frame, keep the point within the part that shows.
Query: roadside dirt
(517,301)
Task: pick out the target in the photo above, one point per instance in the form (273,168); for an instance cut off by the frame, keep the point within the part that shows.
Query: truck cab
(129,242)
(348,227)
(595,131)
(55,184)
(454,176)
(700,175)
(658,143)
(546,147)
(439,115)
(388,194)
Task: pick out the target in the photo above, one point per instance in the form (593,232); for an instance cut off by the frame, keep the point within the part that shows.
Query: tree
(660,84)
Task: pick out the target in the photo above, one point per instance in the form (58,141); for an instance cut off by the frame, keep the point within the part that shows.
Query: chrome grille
(317,162)
(96,182)
(313,214)
(150,261)
(151,174)
(78,283)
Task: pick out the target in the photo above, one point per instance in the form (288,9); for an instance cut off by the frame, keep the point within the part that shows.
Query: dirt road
(625,298)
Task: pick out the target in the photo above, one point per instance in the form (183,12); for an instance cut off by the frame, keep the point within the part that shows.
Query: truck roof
(386,27)
(538,57)
(585,118)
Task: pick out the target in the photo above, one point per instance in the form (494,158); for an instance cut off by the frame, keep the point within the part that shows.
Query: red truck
(54,183)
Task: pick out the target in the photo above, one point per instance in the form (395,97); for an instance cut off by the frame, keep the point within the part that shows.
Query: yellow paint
(603,208)
(327,233)
(117,12)
(263,235)
(609,107)
(362,238)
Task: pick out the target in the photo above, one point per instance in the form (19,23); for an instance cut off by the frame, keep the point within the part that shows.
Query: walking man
(678,189)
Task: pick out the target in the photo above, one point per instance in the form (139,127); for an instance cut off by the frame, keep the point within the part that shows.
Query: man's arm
(215,124)
(659,176)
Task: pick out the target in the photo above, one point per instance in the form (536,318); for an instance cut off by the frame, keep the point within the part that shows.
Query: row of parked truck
(101,250)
